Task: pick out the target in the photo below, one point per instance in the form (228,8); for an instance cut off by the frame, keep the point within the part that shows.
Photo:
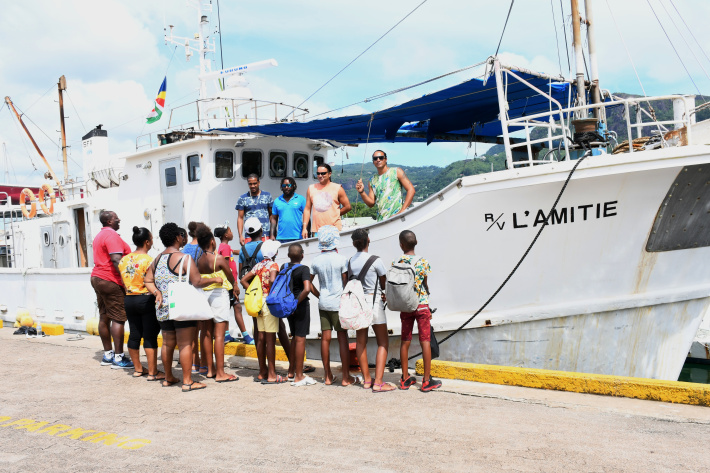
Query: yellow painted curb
(638,388)
(242,349)
(160,339)
(0,323)
(51,329)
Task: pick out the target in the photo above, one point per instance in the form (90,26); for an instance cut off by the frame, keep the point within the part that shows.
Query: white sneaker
(307,381)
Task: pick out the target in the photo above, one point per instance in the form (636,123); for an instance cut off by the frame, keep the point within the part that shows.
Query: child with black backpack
(405,270)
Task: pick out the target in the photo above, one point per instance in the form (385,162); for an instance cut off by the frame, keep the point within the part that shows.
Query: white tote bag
(186,302)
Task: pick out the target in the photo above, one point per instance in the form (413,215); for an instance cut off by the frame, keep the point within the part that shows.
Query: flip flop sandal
(279,379)
(203,370)
(138,374)
(383,390)
(367,385)
(190,388)
(309,369)
(155,376)
(195,369)
(332,383)
(307,381)
(211,377)
(228,380)
(167,384)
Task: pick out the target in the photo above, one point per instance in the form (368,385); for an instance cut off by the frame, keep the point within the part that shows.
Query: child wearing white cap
(267,324)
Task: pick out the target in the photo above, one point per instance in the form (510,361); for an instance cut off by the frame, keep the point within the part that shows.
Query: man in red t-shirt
(106,280)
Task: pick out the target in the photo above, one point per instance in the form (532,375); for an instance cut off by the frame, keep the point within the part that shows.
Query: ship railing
(233,113)
(636,117)
(559,121)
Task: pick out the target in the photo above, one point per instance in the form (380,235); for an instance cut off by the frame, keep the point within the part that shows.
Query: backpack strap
(365,267)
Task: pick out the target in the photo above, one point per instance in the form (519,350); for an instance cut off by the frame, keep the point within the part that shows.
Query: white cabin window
(300,165)
(251,163)
(193,168)
(224,164)
(277,164)
(170,177)
(317,161)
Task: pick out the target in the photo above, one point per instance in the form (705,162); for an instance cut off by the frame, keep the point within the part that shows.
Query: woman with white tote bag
(159,277)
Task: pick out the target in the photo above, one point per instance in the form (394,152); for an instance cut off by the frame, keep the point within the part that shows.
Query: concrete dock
(61,411)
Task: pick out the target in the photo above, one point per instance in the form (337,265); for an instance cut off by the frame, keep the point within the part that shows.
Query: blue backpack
(281,300)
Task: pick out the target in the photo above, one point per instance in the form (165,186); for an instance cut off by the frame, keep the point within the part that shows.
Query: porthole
(277,164)
(300,165)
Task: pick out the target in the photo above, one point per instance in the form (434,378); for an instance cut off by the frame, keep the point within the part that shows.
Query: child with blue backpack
(289,299)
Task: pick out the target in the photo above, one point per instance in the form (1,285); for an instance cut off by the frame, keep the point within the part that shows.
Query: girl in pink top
(225,235)
(328,201)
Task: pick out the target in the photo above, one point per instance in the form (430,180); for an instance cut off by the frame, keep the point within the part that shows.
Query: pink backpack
(355,310)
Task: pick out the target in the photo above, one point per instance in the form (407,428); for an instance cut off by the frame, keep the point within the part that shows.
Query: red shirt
(226,251)
(108,241)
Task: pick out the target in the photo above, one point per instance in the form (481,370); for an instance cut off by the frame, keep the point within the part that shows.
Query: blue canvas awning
(451,111)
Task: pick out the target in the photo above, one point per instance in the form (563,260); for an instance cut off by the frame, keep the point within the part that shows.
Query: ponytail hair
(140,236)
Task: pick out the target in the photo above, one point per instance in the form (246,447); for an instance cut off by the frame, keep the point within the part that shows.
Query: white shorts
(219,302)
(378,310)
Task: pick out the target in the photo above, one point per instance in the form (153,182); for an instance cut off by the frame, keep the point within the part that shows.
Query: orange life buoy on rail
(46,190)
(24,195)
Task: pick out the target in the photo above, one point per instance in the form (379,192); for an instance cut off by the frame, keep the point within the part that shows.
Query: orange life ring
(24,195)
(46,189)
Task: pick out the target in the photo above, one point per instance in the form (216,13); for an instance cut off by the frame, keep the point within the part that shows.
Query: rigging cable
(401,89)
(673,46)
(564,28)
(690,31)
(557,40)
(685,41)
(75,110)
(504,26)
(40,98)
(532,243)
(357,57)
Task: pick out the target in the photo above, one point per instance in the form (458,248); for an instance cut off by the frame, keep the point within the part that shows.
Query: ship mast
(200,44)
(595,93)
(578,54)
(62,85)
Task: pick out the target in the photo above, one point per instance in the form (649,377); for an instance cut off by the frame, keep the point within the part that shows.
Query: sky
(114,58)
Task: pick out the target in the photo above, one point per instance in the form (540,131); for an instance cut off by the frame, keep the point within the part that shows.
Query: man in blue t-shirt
(255,203)
(287,214)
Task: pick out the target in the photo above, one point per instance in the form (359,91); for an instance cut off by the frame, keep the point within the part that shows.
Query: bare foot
(350,380)
(331,380)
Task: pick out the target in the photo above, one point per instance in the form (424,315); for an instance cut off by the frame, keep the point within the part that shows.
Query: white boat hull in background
(588,298)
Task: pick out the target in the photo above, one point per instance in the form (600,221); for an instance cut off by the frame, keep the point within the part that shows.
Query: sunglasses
(286,185)
(322,173)
(378,158)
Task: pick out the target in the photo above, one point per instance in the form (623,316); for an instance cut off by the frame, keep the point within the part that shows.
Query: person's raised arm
(306,216)
(344,201)
(197,280)
(314,289)
(367,197)
(408,186)
(240,226)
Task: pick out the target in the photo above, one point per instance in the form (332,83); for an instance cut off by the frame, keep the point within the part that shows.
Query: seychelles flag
(157,112)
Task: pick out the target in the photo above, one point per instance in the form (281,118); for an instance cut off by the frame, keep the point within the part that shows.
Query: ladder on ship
(8,248)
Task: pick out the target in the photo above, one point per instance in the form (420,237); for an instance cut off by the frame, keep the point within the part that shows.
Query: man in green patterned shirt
(385,188)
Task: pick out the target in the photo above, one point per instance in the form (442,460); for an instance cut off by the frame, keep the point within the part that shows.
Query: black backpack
(249,260)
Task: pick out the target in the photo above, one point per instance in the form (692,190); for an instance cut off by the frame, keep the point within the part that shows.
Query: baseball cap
(252,225)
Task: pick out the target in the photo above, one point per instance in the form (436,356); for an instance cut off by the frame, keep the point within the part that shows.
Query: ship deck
(465,426)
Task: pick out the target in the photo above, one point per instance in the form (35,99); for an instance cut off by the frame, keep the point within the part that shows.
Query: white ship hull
(588,298)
